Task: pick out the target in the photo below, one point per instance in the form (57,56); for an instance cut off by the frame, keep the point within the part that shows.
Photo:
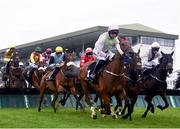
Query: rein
(114,74)
(163,81)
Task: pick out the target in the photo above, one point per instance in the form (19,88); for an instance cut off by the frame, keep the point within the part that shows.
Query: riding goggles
(114,32)
(89,53)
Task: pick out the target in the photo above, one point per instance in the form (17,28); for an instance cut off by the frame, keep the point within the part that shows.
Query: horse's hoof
(102,111)
(114,116)
(160,107)
(152,110)
(39,110)
(82,109)
(124,117)
(94,116)
(119,113)
(143,116)
(103,115)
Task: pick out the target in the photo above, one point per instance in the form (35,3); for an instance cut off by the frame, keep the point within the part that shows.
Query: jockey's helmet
(155,45)
(12,46)
(59,49)
(89,51)
(48,50)
(38,49)
(113,30)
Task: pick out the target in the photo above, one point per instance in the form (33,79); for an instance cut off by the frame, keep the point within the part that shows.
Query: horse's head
(166,62)
(70,56)
(16,62)
(134,67)
(135,61)
(41,68)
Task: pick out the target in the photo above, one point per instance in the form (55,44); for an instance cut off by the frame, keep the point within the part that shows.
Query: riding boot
(29,75)
(7,68)
(145,74)
(99,64)
(31,72)
(53,75)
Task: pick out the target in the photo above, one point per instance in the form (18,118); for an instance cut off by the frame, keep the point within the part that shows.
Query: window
(161,41)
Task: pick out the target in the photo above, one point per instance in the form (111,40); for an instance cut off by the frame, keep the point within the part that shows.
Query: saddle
(72,72)
(146,73)
(92,67)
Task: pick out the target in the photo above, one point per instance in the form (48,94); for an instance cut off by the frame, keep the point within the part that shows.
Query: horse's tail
(178,82)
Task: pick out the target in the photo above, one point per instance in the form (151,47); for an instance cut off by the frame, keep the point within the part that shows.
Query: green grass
(68,118)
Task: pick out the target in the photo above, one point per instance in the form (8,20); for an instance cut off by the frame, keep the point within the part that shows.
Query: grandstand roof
(89,36)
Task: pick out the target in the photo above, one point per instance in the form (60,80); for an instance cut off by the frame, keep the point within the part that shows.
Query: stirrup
(50,78)
(91,78)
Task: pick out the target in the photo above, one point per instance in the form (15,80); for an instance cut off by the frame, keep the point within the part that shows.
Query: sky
(23,21)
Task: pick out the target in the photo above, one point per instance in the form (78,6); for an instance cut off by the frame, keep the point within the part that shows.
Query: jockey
(7,57)
(87,56)
(46,56)
(102,49)
(150,59)
(36,57)
(56,61)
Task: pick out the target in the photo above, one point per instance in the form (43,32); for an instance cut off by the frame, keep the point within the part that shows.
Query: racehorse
(132,75)
(15,77)
(178,82)
(34,75)
(61,83)
(156,83)
(109,83)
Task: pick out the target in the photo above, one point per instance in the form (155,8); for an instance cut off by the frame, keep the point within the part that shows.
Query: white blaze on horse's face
(71,63)
(41,68)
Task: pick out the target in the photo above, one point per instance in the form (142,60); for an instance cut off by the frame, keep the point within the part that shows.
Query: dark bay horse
(178,82)
(156,83)
(132,75)
(16,78)
(34,75)
(110,82)
(62,82)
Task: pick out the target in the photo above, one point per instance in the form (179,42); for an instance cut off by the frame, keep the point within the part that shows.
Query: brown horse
(16,78)
(61,83)
(156,83)
(110,82)
(34,75)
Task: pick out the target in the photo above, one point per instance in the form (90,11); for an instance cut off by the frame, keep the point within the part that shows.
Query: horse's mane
(117,54)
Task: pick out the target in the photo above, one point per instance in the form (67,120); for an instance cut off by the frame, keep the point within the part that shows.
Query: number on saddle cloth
(91,67)
(97,67)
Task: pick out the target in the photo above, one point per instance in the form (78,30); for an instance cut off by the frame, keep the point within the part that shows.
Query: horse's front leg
(163,96)
(108,109)
(148,98)
(42,92)
(78,103)
(118,108)
(55,95)
(65,97)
